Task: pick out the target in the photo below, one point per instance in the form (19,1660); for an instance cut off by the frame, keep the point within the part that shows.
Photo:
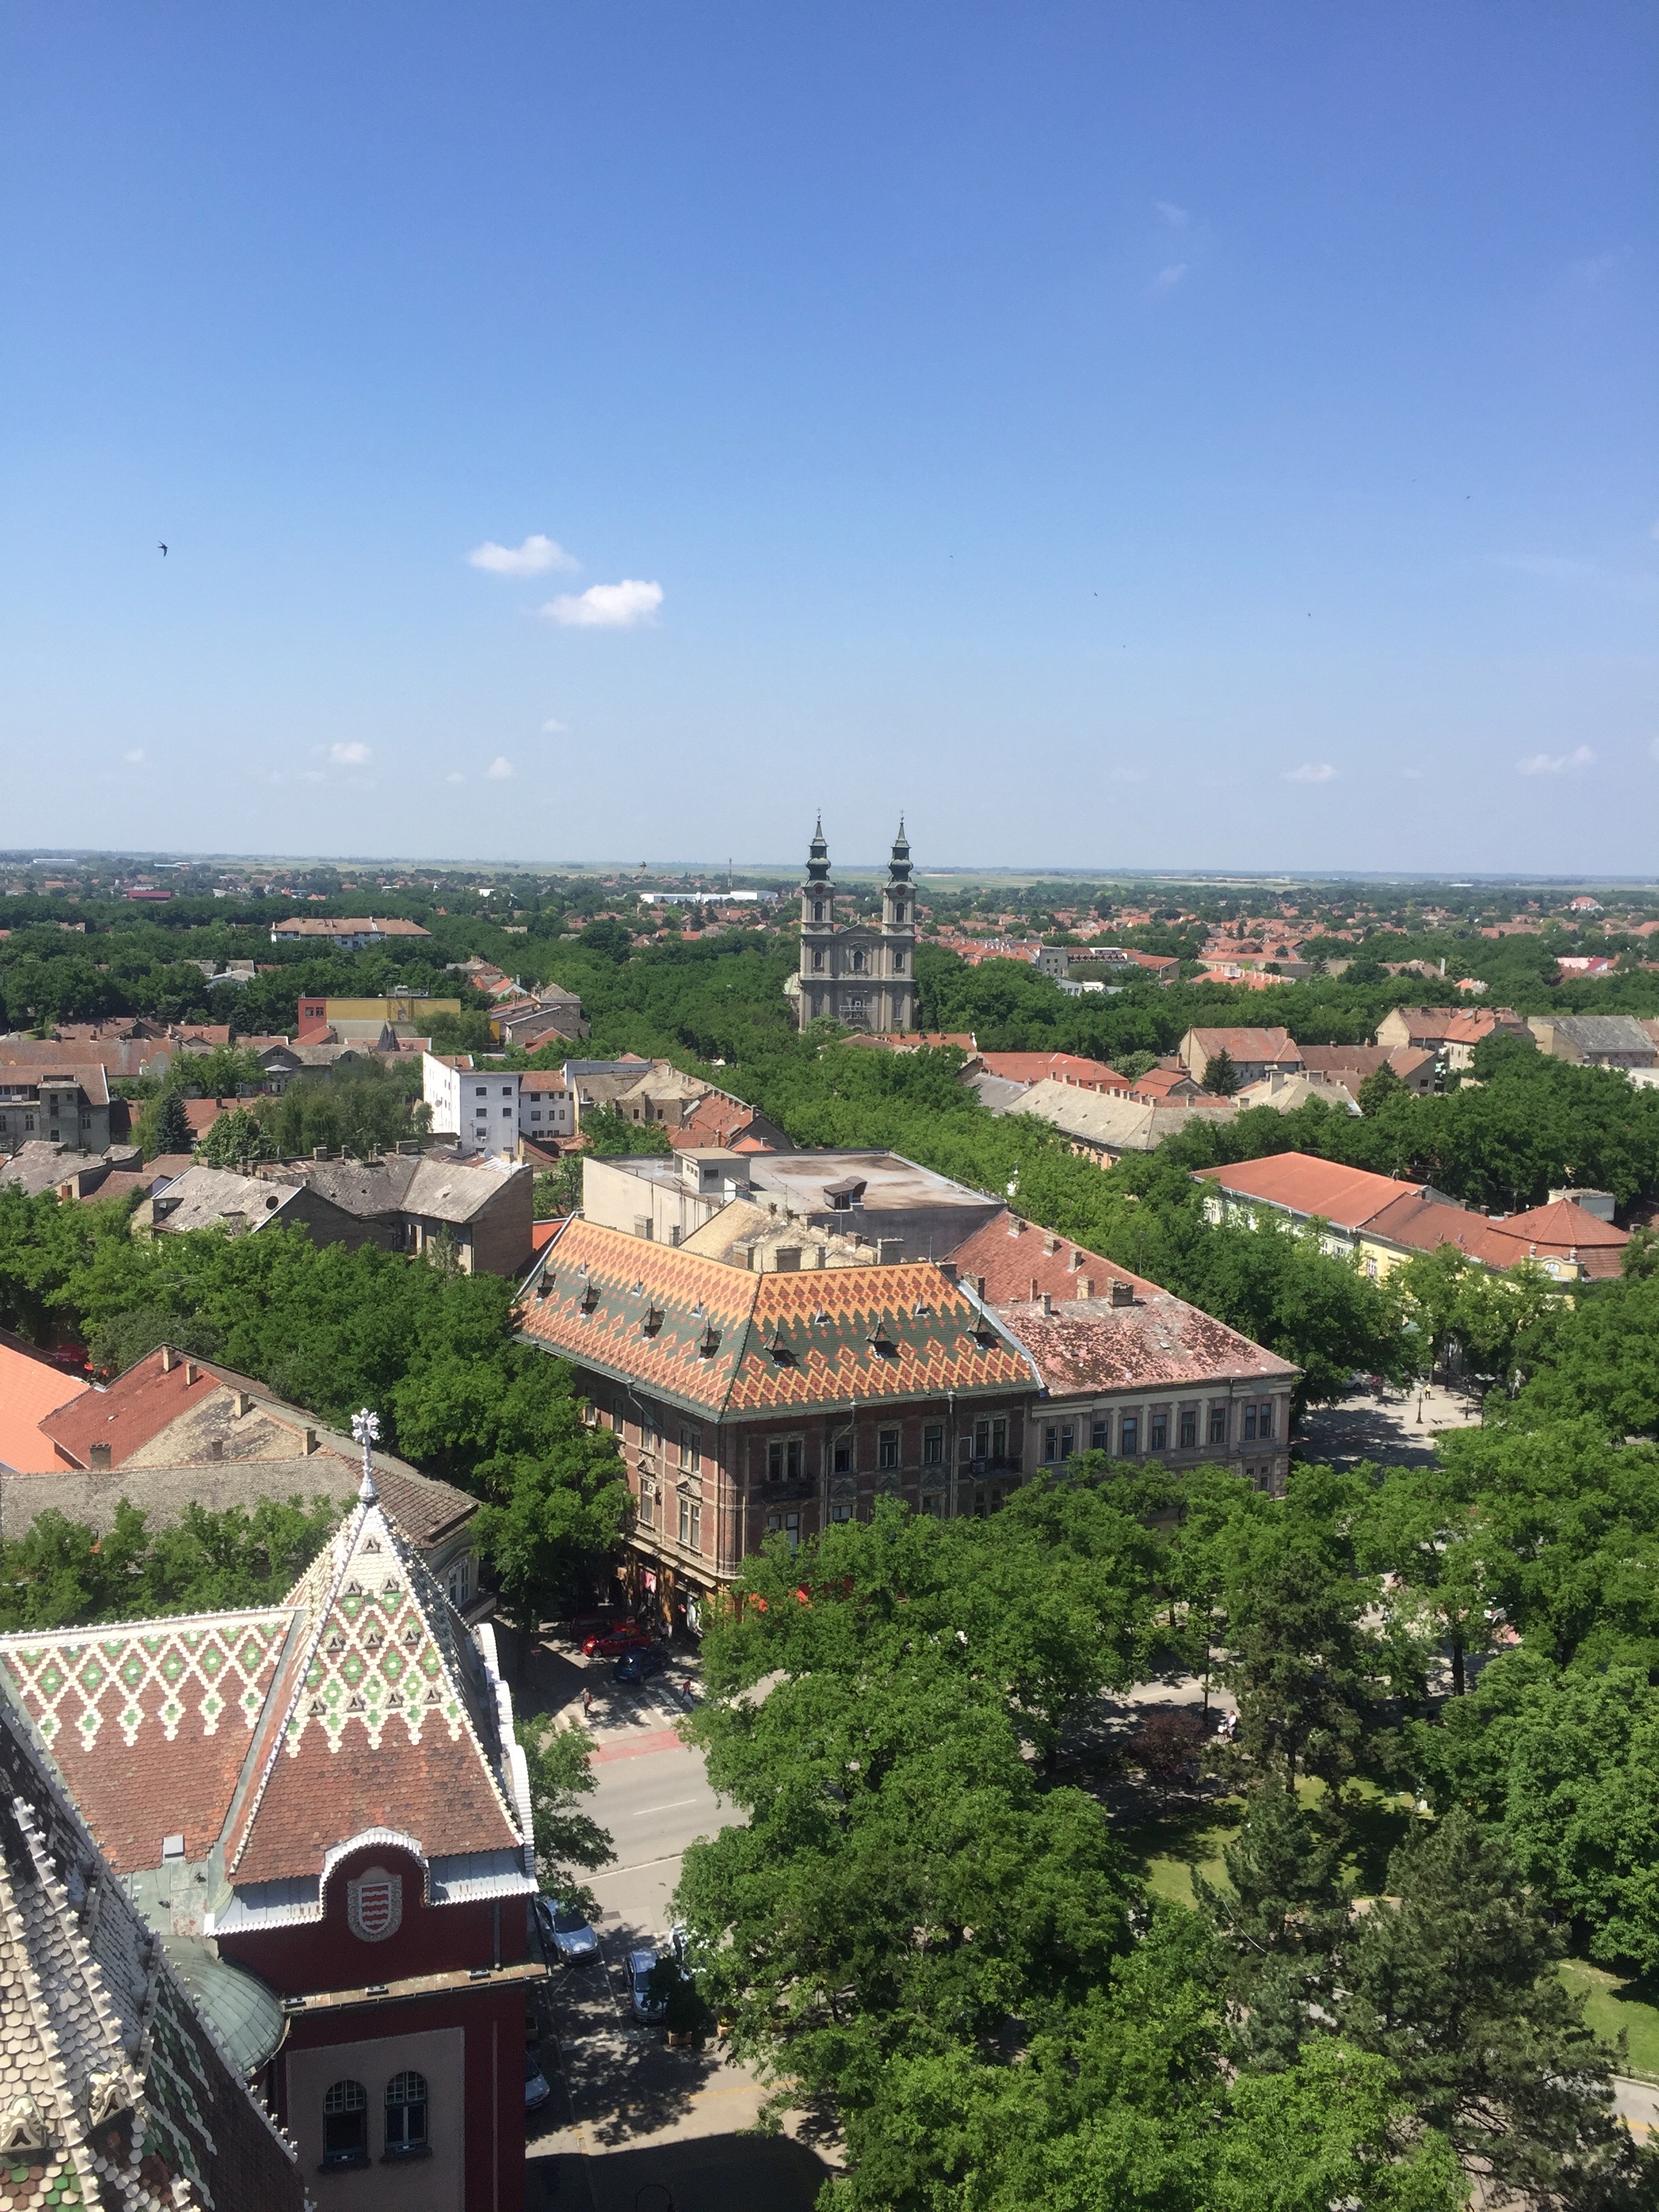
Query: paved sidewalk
(1392,1428)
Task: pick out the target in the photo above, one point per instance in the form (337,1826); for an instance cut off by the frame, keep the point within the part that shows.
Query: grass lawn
(1169,1851)
(1614,2004)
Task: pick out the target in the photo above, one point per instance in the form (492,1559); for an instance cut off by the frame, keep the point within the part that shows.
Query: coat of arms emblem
(374,1905)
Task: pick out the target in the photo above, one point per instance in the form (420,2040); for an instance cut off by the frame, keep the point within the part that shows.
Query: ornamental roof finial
(365,1428)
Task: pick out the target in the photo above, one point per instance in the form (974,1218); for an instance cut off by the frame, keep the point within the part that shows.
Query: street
(626,2111)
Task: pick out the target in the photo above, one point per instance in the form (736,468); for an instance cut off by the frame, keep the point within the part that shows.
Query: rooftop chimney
(1123,1294)
(168,1358)
(1047,1303)
(307,1443)
(98,1459)
(1087,1286)
(192,1373)
(216,1447)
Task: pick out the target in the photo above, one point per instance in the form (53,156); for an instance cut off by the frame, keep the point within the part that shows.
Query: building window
(842,1455)
(460,1580)
(1100,1433)
(858,963)
(690,1448)
(818,960)
(1249,1425)
(898,909)
(841,1512)
(1265,1428)
(1188,1430)
(788,1524)
(1128,1437)
(647,1505)
(345,2124)
(1157,1437)
(691,1523)
(932,1447)
(783,1459)
(1059,1442)
(1217,1424)
(887,1449)
(507,1090)
(482,1092)
(507,1113)
(898,964)
(406,2116)
(817,909)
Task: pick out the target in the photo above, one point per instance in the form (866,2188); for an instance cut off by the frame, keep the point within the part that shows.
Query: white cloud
(454,776)
(607,606)
(1176,217)
(1311,772)
(500,768)
(355,755)
(533,558)
(135,756)
(556,729)
(1167,279)
(1555,763)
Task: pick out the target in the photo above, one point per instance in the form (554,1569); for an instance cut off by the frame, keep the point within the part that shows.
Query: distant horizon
(1064,871)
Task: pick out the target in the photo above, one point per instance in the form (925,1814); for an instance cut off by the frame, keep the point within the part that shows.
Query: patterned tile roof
(149,1723)
(387,1722)
(720,1339)
(113,2091)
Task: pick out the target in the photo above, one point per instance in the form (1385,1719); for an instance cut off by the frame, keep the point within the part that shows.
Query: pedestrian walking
(588,1704)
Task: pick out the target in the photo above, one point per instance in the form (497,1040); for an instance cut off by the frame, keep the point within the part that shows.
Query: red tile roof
(1248,1044)
(1300,1183)
(31,1387)
(1062,1067)
(1018,1260)
(1160,1343)
(136,1406)
(824,1337)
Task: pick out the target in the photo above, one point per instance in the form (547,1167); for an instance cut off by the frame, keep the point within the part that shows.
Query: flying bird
(163,549)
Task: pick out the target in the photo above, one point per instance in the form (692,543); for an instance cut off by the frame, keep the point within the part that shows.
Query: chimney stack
(1087,1286)
(1047,1303)
(216,1447)
(1036,1288)
(1123,1294)
(98,1459)
(192,1373)
(167,1359)
(308,1443)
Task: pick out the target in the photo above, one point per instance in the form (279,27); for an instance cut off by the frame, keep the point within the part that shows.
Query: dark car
(640,1665)
(613,1642)
(565,1932)
(537,2086)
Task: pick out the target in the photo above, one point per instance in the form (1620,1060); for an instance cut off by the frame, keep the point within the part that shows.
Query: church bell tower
(861,975)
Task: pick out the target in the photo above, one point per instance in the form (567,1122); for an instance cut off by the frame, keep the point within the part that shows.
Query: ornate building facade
(862,975)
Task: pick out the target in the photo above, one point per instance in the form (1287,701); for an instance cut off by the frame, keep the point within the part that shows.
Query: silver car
(565,1933)
(641,1964)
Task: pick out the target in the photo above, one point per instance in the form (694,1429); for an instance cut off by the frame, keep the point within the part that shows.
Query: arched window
(345,2124)
(405,2115)
(898,909)
(817,909)
(858,962)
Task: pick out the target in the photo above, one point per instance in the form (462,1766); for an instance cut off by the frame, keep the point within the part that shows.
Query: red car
(595,1624)
(613,1642)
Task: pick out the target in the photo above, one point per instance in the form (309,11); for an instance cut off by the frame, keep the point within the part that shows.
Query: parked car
(565,1932)
(611,1642)
(641,1664)
(596,1623)
(641,1964)
(537,2086)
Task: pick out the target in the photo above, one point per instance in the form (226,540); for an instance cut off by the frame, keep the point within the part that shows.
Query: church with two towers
(862,975)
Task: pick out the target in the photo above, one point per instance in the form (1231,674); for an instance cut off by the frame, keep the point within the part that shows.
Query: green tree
(1380,1089)
(1277,1922)
(559,1763)
(1221,1076)
(164,1126)
(608,1135)
(1452,1980)
(236,1139)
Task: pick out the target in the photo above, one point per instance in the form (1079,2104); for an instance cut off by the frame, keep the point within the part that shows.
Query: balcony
(990,1464)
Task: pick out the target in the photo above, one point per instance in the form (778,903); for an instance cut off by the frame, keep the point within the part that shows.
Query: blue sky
(1126,435)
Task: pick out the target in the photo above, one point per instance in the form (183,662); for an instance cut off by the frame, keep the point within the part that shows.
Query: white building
(547,1106)
(476,1106)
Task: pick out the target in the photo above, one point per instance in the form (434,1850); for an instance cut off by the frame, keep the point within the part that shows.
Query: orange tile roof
(773,1340)
(1304,1184)
(1063,1066)
(31,1387)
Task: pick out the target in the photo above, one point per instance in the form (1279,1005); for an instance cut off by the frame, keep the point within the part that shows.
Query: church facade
(862,975)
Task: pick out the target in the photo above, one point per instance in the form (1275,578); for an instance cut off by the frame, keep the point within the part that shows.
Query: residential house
(749,1405)
(1126,1368)
(1348,1065)
(32,1385)
(1597,1040)
(218,1198)
(1384,1221)
(476,1210)
(344,936)
(173,1430)
(68,1102)
(539,1017)
(720,1121)
(1168,1083)
(1286,1093)
(473,1104)
(1029,1067)
(1254,1053)
(1103,1126)
(319,1808)
(1450,1033)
